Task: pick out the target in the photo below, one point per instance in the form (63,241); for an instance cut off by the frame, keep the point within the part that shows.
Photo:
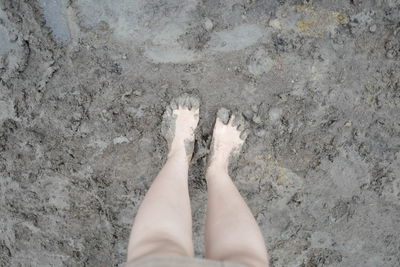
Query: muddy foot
(228,137)
(179,123)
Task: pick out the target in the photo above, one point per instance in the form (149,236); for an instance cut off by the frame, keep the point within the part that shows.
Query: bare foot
(179,123)
(228,137)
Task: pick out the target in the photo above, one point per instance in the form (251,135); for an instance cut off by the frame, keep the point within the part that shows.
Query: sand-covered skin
(229,134)
(84,86)
(186,106)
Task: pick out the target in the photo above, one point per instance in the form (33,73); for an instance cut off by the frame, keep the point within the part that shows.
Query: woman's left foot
(228,137)
(179,123)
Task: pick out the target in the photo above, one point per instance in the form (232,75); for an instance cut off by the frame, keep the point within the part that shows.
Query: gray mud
(84,84)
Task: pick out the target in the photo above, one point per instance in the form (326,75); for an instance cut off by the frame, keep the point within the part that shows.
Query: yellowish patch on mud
(282,178)
(304,26)
(340,18)
(370,95)
(317,21)
(94,37)
(267,167)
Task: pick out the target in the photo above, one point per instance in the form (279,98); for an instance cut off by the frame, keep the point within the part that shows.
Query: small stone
(120,140)
(137,93)
(348,124)
(390,54)
(257,119)
(208,24)
(260,132)
(254,108)
(13,37)
(274,23)
(372,28)
(283,97)
(76,116)
(275,114)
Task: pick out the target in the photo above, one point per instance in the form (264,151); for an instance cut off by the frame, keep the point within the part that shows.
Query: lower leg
(232,232)
(163,223)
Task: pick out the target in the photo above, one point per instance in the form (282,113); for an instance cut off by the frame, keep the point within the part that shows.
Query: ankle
(217,168)
(177,151)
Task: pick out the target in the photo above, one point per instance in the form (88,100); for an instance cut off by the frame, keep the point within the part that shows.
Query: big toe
(193,102)
(223,115)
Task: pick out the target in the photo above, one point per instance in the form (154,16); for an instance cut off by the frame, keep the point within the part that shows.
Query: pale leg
(163,224)
(232,233)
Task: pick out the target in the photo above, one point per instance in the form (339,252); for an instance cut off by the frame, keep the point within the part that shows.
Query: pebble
(275,114)
(138,92)
(257,119)
(120,140)
(260,132)
(208,24)
(372,28)
(390,53)
(274,23)
(76,116)
(13,37)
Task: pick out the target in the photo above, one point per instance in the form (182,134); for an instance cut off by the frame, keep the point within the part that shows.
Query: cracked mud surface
(84,84)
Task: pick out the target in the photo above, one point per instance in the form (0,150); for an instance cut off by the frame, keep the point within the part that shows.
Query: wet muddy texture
(84,85)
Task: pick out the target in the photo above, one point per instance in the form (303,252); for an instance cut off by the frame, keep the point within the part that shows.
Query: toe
(238,120)
(195,103)
(241,127)
(244,134)
(240,123)
(174,104)
(232,120)
(183,102)
(235,120)
(180,102)
(188,103)
(168,111)
(223,115)
(218,124)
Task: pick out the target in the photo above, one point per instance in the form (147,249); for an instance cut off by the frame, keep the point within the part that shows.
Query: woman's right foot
(228,137)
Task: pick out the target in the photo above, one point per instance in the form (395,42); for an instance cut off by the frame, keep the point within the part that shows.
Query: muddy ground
(84,84)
